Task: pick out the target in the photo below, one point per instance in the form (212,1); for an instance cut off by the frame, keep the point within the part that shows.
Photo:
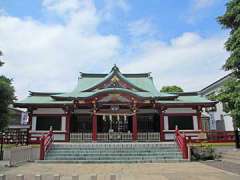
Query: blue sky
(47,42)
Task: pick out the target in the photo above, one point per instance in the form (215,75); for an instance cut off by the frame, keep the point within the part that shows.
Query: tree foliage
(6,98)
(230,96)
(231,20)
(171,89)
(230,93)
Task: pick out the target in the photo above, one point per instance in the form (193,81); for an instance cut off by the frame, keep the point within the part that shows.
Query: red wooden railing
(45,144)
(182,143)
(220,136)
(212,136)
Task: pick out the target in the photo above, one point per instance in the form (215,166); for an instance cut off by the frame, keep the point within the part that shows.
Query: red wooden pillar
(199,118)
(94,127)
(42,150)
(162,138)
(30,125)
(30,120)
(68,121)
(134,127)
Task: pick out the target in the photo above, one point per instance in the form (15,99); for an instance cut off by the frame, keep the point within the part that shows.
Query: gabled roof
(215,85)
(142,86)
(115,73)
(90,86)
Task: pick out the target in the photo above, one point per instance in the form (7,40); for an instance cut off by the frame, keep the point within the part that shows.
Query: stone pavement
(148,171)
(225,165)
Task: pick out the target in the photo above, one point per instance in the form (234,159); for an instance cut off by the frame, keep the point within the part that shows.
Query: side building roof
(215,85)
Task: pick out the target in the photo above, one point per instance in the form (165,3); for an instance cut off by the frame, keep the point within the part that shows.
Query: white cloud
(189,60)
(200,4)
(2,12)
(197,10)
(47,57)
(110,6)
(141,27)
(62,6)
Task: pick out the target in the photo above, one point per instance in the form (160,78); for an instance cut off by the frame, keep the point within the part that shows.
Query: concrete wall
(180,110)
(35,153)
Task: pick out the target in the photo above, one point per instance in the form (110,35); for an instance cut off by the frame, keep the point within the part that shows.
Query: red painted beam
(68,120)
(199,118)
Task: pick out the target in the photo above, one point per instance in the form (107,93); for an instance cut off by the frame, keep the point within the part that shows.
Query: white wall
(48,111)
(180,110)
(166,123)
(195,123)
(228,121)
(34,122)
(219,114)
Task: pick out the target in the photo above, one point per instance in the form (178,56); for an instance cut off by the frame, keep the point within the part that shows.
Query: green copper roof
(142,87)
(41,100)
(188,100)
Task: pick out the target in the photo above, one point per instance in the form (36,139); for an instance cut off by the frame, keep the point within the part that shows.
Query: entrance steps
(113,153)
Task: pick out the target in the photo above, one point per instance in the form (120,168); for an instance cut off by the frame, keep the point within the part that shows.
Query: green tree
(231,20)
(6,98)
(171,89)
(229,94)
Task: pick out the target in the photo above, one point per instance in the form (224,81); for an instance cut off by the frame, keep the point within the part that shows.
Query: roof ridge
(35,93)
(129,75)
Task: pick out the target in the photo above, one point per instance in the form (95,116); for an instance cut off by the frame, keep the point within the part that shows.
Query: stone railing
(115,137)
(149,137)
(80,137)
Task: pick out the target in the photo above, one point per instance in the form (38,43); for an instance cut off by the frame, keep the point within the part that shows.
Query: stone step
(115,158)
(113,161)
(112,157)
(112,154)
(114,145)
(114,150)
(126,149)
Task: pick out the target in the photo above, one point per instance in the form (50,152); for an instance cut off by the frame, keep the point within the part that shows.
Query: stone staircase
(113,153)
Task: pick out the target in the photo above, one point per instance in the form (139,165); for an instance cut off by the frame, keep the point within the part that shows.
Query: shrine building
(114,107)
